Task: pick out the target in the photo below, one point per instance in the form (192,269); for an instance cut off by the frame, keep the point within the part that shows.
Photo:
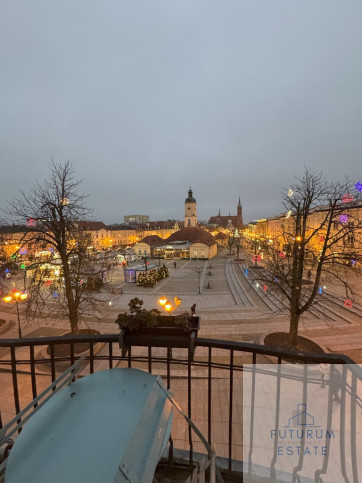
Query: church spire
(219,213)
(239,210)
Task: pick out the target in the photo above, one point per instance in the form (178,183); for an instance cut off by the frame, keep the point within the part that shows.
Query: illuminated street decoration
(290,192)
(65,201)
(347,198)
(348,303)
(288,214)
(321,238)
(353,262)
(358,186)
(282,255)
(265,288)
(343,218)
(246,272)
(30,222)
(320,290)
(23,251)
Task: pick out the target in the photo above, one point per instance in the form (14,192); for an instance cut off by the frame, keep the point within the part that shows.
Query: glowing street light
(167,305)
(16,297)
(162,301)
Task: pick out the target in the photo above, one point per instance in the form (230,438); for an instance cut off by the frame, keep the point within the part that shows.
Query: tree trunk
(72,310)
(293,330)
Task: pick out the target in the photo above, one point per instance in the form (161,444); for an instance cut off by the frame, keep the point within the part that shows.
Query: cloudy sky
(145,98)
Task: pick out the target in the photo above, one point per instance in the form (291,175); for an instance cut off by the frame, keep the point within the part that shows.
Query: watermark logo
(302,434)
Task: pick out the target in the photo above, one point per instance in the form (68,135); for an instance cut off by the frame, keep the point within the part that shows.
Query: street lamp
(199,270)
(167,305)
(162,301)
(16,297)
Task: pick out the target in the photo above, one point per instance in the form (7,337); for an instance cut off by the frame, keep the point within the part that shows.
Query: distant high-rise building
(190,210)
(136,218)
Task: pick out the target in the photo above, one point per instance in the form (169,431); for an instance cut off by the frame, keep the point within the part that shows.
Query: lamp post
(15,297)
(199,270)
(167,305)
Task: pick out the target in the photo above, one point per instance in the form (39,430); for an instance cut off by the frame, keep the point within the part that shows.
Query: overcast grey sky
(232,97)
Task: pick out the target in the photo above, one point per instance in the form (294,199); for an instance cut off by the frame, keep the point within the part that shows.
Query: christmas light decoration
(246,272)
(288,214)
(30,222)
(347,198)
(358,186)
(282,255)
(348,303)
(290,192)
(265,288)
(320,290)
(23,251)
(343,218)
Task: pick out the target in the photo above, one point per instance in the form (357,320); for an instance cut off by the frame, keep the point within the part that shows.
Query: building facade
(136,218)
(230,222)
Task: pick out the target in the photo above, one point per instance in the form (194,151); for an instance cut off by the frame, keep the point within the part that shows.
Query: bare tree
(52,212)
(230,242)
(317,240)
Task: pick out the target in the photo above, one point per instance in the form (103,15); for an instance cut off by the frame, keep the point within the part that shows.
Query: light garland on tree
(347,198)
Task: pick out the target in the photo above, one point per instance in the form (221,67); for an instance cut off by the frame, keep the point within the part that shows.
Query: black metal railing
(210,386)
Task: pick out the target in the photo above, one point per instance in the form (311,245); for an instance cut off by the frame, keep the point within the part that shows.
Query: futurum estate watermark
(302,435)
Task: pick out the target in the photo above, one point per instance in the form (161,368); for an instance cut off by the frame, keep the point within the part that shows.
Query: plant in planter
(143,327)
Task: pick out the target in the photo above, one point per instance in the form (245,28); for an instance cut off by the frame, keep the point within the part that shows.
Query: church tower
(190,210)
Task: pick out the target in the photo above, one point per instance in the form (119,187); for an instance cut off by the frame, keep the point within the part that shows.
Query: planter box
(170,336)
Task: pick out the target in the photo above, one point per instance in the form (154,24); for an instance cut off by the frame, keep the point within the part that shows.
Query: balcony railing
(210,390)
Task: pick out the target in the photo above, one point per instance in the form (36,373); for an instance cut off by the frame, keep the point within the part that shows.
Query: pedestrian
(174,264)
(193,309)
